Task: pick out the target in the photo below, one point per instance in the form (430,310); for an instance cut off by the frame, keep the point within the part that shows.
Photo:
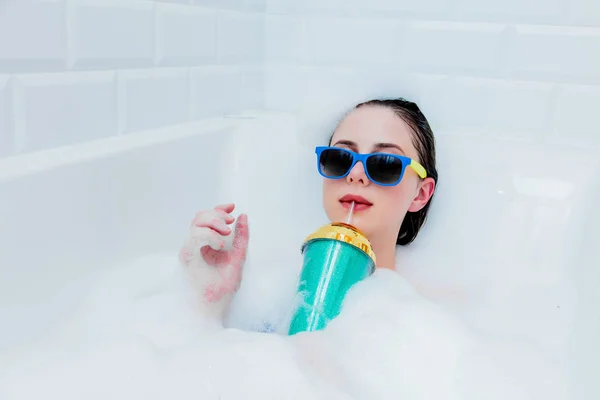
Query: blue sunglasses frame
(356,157)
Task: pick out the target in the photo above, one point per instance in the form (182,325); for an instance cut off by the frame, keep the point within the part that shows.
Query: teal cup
(335,257)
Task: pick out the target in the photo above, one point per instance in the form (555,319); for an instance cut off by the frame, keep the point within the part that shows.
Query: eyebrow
(378,146)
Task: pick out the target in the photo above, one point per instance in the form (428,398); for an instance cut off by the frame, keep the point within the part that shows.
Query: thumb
(241,237)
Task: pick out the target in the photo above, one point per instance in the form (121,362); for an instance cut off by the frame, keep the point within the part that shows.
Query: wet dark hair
(424,143)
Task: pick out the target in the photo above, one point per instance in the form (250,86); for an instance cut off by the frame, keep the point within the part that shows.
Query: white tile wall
(354,41)
(66,108)
(292,88)
(154,98)
(78,70)
(538,11)
(584,12)
(227,4)
(6,116)
(517,69)
(285,39)
(430,7)
(251,5)
(575,116)
(185,36)
(382,8)
(526,69)
(215,90)
(240,37)
(252,89)
(111,34)
(467,48)
(556,53)
(510,108)
(32,36)
(256,5)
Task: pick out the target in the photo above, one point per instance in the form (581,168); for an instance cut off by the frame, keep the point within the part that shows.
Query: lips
(360,203)
(357,199)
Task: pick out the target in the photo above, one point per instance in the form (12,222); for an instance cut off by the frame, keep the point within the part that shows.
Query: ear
(426,189)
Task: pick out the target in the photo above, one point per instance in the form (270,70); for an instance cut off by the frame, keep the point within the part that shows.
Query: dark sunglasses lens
(335,163)
(384,169)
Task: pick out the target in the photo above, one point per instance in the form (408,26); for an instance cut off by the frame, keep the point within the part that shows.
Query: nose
(357,175)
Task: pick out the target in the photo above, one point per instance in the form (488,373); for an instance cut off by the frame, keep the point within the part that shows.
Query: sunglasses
(381,168)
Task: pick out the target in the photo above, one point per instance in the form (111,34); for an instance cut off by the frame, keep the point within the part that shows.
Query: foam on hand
(137,337)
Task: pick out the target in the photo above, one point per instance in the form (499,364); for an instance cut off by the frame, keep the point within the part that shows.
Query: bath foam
(403,345)
(136,337)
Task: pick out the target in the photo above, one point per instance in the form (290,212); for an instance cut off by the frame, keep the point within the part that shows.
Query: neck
(385,252)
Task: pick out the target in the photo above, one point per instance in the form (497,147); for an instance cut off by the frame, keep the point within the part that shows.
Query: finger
(228,208)
(226,217)
(241,236)
(203,236)
(217,225)
(217,219)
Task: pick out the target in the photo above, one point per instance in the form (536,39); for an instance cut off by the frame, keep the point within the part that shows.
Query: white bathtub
(514,229)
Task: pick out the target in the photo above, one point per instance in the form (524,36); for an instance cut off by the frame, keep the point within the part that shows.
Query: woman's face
(370,129)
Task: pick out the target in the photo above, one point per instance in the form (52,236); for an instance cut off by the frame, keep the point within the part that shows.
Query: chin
(363,228)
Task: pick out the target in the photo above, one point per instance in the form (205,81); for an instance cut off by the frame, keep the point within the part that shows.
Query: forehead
(369,125)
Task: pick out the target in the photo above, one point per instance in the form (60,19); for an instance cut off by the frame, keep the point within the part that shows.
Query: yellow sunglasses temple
(418,168)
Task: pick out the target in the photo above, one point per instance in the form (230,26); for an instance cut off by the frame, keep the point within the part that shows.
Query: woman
(381,157)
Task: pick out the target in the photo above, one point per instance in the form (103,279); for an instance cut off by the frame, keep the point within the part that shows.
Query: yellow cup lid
(344,233)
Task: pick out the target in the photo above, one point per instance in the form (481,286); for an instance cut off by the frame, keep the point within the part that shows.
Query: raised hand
(214,258)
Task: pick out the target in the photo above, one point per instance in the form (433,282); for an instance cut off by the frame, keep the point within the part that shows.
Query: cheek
(326,188)
(328,193)
(398,198)
(331,205)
